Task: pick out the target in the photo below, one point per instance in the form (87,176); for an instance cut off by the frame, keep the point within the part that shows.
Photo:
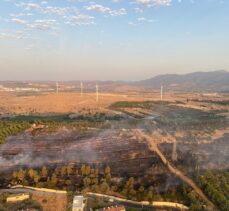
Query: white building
(18,197)
(79,203)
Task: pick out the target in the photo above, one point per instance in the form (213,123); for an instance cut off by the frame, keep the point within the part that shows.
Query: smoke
(212,155)
(54,148)
(64,147)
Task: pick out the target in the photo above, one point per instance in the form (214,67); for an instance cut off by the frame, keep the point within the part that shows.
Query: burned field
(96,148)
(106,138)
(63,143)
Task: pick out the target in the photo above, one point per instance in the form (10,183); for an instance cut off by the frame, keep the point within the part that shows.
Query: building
(18,197)
(113,208)
(79,203)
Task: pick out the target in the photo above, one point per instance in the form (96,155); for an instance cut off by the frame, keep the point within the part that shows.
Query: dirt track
(153,146)
(142,203)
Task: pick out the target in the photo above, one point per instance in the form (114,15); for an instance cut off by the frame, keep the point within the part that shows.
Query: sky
(111,39)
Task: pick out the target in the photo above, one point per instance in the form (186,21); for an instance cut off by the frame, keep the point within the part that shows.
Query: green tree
(97,172)
(31,173)
(149,196)
(54,179)
(21,175)
(36,177)
(83,169)
(44,172)
(69,169)
(107,170)
(63,171)
(108,177)
(104,187)
(86,182)
(15,174)
(87,170)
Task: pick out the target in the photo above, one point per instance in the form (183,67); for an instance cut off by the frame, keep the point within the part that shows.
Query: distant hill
(205,81)
(216,81)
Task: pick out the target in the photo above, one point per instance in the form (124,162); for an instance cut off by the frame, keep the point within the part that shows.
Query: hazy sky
(119,39)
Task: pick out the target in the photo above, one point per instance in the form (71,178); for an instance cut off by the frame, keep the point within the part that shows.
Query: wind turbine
(57,87)
(97,92)
(81,88)
(161,92)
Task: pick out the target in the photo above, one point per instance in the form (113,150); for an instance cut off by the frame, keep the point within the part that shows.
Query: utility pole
(81,88)
(174,154)
(161,93)
(97,93)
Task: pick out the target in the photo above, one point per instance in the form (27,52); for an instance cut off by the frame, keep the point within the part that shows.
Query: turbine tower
(161,92)
(57,87)
(81,88)
(97,93)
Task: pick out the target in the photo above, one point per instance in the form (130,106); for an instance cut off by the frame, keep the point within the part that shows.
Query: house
(18,197)
(79,203)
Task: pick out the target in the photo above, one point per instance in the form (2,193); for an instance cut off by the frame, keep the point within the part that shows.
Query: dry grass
(73,102)
(65,102)
(51,202)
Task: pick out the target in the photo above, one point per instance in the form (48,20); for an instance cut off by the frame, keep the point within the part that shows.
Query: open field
(73,102)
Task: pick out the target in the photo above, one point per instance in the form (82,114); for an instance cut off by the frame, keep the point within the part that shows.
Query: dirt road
(154,147)
(141,203)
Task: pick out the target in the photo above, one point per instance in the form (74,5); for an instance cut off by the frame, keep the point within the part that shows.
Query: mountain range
(205,81)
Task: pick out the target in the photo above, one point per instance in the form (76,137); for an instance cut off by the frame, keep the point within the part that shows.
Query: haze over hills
(216,81)
(207,81)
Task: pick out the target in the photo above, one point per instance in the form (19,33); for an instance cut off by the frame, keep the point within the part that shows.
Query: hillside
(206,81)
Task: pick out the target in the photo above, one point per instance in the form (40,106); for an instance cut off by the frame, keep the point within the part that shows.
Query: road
(140,204)
(154,147)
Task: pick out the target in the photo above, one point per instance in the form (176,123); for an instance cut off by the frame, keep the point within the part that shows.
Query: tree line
(84,178)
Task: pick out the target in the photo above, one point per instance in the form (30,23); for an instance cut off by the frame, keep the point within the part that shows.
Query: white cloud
(154,2)
(28,6)
(55,10)
(98,8)
(101,9)
(80,20)
(18,21)
(119,12)
(43,25)
(60,11)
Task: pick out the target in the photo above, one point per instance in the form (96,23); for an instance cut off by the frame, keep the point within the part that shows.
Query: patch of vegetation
(18,124)
(84,178)
(70,118)
(216,187)
(218,102)
(186,195)
(50,118)
(9,128)
(138,104)
(175,118)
